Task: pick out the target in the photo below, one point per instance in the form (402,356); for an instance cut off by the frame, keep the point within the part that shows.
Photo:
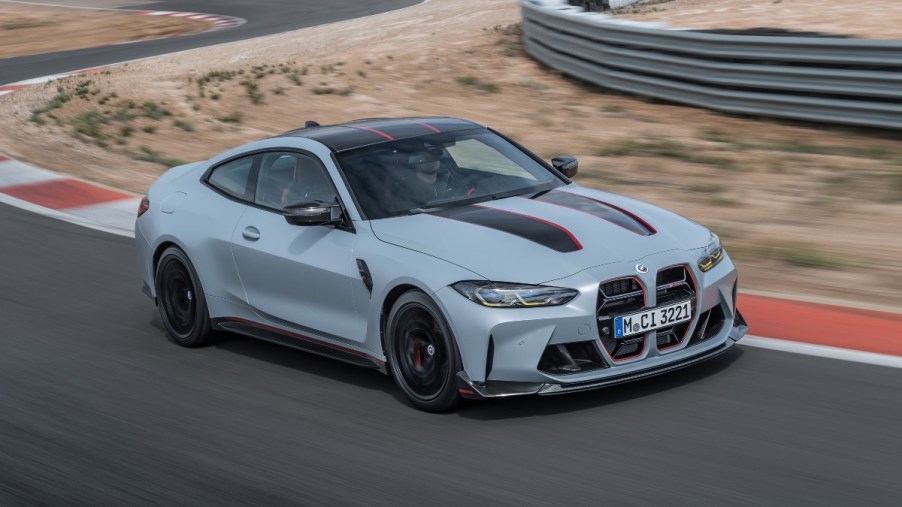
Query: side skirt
(298,341)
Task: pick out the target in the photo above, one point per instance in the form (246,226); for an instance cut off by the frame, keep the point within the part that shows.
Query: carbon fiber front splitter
(502,389)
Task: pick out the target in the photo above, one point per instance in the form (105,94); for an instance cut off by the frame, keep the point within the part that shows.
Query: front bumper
(506,352)
(502,389)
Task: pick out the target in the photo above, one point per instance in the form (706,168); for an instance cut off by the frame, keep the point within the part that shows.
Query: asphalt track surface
(98,408)
(264,17)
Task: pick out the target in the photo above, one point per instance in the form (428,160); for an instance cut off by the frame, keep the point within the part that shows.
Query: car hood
(560,233)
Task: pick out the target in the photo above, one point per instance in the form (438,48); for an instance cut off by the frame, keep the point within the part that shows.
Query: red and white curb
(47,193)
(219,22)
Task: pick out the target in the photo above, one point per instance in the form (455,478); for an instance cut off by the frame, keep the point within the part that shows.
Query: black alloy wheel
(181,301)
(422,353)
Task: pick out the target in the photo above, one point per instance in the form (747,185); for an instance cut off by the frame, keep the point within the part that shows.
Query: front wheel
(183,307)
(422,353)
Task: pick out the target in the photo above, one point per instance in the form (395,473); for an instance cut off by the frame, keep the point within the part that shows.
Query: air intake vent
(567,358)
(710,323)
(674,284)
(618,297)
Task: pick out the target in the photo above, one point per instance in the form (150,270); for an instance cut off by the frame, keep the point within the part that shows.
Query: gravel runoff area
(27,29)
(802,208)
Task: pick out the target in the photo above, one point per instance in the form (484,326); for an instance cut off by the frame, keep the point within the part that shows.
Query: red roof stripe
(383,134)
(430,127)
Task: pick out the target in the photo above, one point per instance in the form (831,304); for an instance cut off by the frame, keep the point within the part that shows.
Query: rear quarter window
(233,178)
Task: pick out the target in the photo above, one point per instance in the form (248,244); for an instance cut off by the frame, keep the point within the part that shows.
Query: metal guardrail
(833,80)
(597,5)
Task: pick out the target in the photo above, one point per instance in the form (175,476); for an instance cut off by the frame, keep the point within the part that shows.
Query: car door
(295,275)
(232,192)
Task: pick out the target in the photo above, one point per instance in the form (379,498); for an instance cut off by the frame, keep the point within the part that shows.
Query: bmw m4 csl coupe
(438,251)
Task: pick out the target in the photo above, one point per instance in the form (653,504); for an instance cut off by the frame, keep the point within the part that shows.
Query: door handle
(251,233)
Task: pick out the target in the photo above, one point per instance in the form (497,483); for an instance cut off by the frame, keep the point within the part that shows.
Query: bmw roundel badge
(642,268)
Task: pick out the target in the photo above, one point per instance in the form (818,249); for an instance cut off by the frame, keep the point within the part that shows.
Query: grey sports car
(438,251)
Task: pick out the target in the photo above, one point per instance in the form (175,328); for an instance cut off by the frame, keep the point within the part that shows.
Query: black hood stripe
(599,209)
(528,227)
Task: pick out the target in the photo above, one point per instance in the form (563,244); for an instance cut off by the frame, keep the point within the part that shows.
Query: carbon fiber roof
(365,132)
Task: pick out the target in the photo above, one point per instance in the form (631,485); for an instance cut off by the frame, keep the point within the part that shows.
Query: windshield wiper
(541,193)
(417,211)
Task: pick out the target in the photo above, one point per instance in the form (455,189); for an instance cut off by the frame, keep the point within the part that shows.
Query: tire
(181,301)
(422,353)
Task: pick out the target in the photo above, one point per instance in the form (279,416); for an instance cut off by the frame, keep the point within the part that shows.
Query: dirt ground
(867,19)
(804,209)
(32,29)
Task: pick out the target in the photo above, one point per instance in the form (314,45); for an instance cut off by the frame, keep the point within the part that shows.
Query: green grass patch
(513,29)
(55,103)
(252,91)
(19,25)
(738,143)
(328,90)
(295,78)
(790,253)
(662,148)
(479,84)
(149,155)
(122,115)
(236,117)
(154,111)
(895,186)
(83,89)
(90,124)
(216,76)
(184,125)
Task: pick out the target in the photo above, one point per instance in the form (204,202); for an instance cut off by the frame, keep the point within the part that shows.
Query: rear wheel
(183,307)
(422,353)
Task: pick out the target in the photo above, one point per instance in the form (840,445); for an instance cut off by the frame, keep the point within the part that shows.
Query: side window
(292,178)
(233,177)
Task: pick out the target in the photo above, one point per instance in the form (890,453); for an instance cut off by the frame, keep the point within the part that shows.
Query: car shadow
(307,362)
(498,409)
(531,406)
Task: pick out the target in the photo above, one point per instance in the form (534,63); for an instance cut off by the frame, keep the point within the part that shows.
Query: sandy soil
(868,19)
(802,209)
(32,29)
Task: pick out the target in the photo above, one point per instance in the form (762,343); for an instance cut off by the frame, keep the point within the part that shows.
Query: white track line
(809,349)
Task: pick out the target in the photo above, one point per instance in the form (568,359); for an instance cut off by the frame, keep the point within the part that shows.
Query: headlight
(713,253)
(513,295)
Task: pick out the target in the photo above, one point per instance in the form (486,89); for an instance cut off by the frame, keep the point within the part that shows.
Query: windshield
(439,171)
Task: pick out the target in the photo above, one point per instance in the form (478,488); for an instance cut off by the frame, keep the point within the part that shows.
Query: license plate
(656,318)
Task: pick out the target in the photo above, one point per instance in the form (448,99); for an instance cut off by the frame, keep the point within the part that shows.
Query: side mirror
(566,164)
(312,213)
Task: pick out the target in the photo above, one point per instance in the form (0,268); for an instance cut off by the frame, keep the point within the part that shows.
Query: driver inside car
(421,183)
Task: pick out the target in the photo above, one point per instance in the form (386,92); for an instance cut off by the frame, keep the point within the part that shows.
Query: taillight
(143,207)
